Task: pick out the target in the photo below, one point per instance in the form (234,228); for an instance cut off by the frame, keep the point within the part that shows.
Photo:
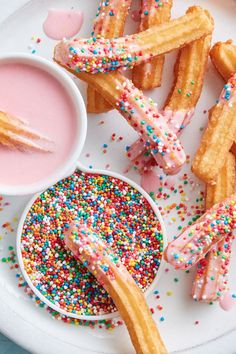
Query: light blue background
(8,347)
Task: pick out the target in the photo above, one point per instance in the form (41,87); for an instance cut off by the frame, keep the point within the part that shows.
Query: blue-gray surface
(9,347)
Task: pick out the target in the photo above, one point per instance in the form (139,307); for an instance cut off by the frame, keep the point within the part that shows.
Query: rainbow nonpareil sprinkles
(112,207)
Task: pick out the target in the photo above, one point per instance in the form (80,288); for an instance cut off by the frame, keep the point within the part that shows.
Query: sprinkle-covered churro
(96,255)
(197,240)
(99,55)
(139,111)
(189,71)
(211,280)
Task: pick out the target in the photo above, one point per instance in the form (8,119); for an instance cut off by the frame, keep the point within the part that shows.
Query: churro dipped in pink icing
(109,23)
(97,256)
(99,55)
(179,108)
(211,280)
(16,134)
(148,75)
(197,240)
(139,111)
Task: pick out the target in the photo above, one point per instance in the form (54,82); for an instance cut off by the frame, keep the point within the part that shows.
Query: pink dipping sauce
(37,97)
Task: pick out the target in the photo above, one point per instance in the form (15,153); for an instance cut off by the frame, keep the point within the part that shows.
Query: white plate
(32,327)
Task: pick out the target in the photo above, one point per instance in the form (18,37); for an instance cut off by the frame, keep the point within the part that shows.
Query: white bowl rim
(112,315)
(81,116)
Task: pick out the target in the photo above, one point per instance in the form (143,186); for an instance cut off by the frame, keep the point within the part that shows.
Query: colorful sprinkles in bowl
(122,216)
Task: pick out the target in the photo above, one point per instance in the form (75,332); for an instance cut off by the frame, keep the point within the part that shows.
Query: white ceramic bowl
(72,90)
(39,294)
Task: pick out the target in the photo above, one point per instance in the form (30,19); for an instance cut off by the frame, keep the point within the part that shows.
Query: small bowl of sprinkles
(123,214)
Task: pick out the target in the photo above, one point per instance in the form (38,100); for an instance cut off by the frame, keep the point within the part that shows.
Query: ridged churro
(198,239)
(223,56)
(139,111)
(148,75)
(211,280)
(189,72)
(92,251)
(15,134)
(109,23)
(97,55)
(218,136)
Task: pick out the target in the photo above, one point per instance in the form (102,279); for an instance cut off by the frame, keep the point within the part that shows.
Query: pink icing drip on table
(227,302)
(150,182)
(61,24)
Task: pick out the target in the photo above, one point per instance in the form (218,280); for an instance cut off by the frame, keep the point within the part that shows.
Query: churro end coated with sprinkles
(194,243)
(99,55)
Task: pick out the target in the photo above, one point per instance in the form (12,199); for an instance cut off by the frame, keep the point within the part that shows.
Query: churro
(198,239)
(218,136)
(15,134)
(223,56)
(139,111)
(99,55)
(148,75)
(211,280)
(189,71)
(96,255)
(109,23)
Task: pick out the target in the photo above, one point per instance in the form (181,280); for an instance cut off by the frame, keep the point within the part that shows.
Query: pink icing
(89,248)
(151,182)
(227,302)
(37,97)
(176,120)
(136,16)
(61,24)
(169,182)
(196,240)
(211,279)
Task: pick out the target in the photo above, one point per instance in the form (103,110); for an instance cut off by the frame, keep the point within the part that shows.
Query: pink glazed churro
(182,100)
(100,55)
(211,280)
(197,240)
(97,256)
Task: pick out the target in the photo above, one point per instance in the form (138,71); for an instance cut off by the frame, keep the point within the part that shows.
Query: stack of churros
(109,23)
(213,163)
(148,75)
(87,57)
(211,281)
(98,61)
